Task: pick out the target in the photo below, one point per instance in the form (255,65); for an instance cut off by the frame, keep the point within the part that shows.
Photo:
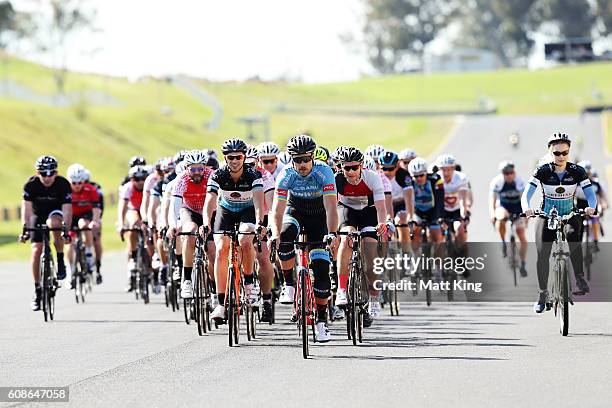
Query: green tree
(396,30)
(574,18)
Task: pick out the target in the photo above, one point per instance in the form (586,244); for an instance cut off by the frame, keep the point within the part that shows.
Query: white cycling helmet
(446,160)
(76,173)
(87,175)
(559,137)
(195,157)
(369,163)
(407,154)
(417,166)
(268,149)
(284,158)
(180,167)
(586,164)
(374,151)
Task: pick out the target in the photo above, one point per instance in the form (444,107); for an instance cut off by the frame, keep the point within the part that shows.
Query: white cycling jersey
(150,182)
(458,182)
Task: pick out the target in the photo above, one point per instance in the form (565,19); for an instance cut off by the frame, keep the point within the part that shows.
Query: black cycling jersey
(559,192)
(100,194)
(158,188)
(47,199)
(235,196)
(402,177)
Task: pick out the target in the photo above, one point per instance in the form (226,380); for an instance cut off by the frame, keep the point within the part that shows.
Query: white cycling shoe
(341,299)
(218,313)
(322,334)
(131,266)
(287,294)
(186,289)
(176,274)
(374,307)
(251,294)
(337,313)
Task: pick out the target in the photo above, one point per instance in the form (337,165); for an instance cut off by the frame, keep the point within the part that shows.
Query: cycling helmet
(559,137)
(336,156)
(76,173)
(417,166)
(138,172)
(586,164)
(178,157)
(506,165)
(137,161)
(167,164)
(268,149)
(352,154)
(159,164)
(321,153)
(212,163)
(284,158)
(388,158)
(369,163)
(374,151)
(301,144)
(46,163)
(445,160)
(180,167)
(195,157)
(210,152)
(233,145)
(87,175)
(407,154)
(252,152)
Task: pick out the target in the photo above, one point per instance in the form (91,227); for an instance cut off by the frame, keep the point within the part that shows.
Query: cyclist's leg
(573,234)
(290,230)
(55,221)
(544,240)
(189,223)
(247,224)
(133,221)
(97,233)
(520,232)
(211,254)
(501,217)
(225,220)
(346,223)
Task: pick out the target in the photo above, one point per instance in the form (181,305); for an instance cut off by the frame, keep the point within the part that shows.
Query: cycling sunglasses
(301,160)
(77,183)
(419,175)
(232,157)
(563,153)
(268,161)
(48,173)
(351,168)
(388,168)
(139,179)
(199,169)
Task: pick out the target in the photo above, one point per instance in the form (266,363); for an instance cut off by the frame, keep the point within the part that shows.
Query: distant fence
(14,213)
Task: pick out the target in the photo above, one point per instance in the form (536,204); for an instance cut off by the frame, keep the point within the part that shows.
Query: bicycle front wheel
(564,301)
(304,312)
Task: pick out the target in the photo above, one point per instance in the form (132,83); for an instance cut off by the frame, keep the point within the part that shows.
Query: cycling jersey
(558,189)
(192,194)
(361,195)
(597,188)
(85,200)
(401,182)
(430,194)
(235,196)
(458,182)
(132,195)
(100,194)
(159,187)
(305,194)
(150,182)
(508,194)
(47,199)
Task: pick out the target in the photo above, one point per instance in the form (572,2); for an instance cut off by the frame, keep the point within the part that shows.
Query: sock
(321,313)
(89,251)
(179,260)
(343,281)
(288,274)
(60,257)
(267,297)
(249,279)
(134,254)
(221,297)
(523,263)
(187,272)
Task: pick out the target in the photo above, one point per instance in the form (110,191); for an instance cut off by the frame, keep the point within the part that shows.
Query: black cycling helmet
(137,161)
(352,154)
(46,163)
(233,145)
(301,144)
(388,158)
(138,172)
(179,156)
(559,137)
(212,163)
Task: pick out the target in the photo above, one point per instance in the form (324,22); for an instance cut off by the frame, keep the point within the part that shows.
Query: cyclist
(505,201)
(149,183)
(239,191)
(374,151)
(405,156)
(268,157)
(85,214)
(428,190)
(188,197)
(128,211)
(335,158)
(361,207)
(602,200)
(97,232)
(558,180)
(305,192)
(133,162)
(322,154)
(456,203)
(46,200)
(402,194)
(370,164)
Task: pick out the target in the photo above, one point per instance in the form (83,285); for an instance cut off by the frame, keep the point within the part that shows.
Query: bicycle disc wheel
(304,313)
(564,302)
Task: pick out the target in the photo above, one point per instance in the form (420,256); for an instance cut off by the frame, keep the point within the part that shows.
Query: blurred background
(98,81)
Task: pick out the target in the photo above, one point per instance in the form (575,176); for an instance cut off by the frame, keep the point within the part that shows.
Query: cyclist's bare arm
(492,202)
(26,213)
(152,210)
(269,199)
(258,202)
(210,203)
(464,203)
(389,205)
(409,201)
(381,211)
(144,206)
(96,215)
(121,211)
(330,202)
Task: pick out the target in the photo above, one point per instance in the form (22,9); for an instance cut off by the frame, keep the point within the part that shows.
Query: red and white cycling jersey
(85,200)
(193,194)
(150,182)
(268,183)
(363,194)
(458,182)
(132,195)
(387,188)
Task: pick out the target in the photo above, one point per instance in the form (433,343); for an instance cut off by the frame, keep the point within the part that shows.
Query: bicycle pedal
(549,305)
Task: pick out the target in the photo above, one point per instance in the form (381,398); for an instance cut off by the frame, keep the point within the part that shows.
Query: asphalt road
(115,350)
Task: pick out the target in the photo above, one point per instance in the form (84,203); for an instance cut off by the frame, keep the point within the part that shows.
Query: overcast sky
(225,39)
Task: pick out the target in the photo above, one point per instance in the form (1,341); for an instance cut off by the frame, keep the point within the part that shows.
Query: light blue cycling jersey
(320,182)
